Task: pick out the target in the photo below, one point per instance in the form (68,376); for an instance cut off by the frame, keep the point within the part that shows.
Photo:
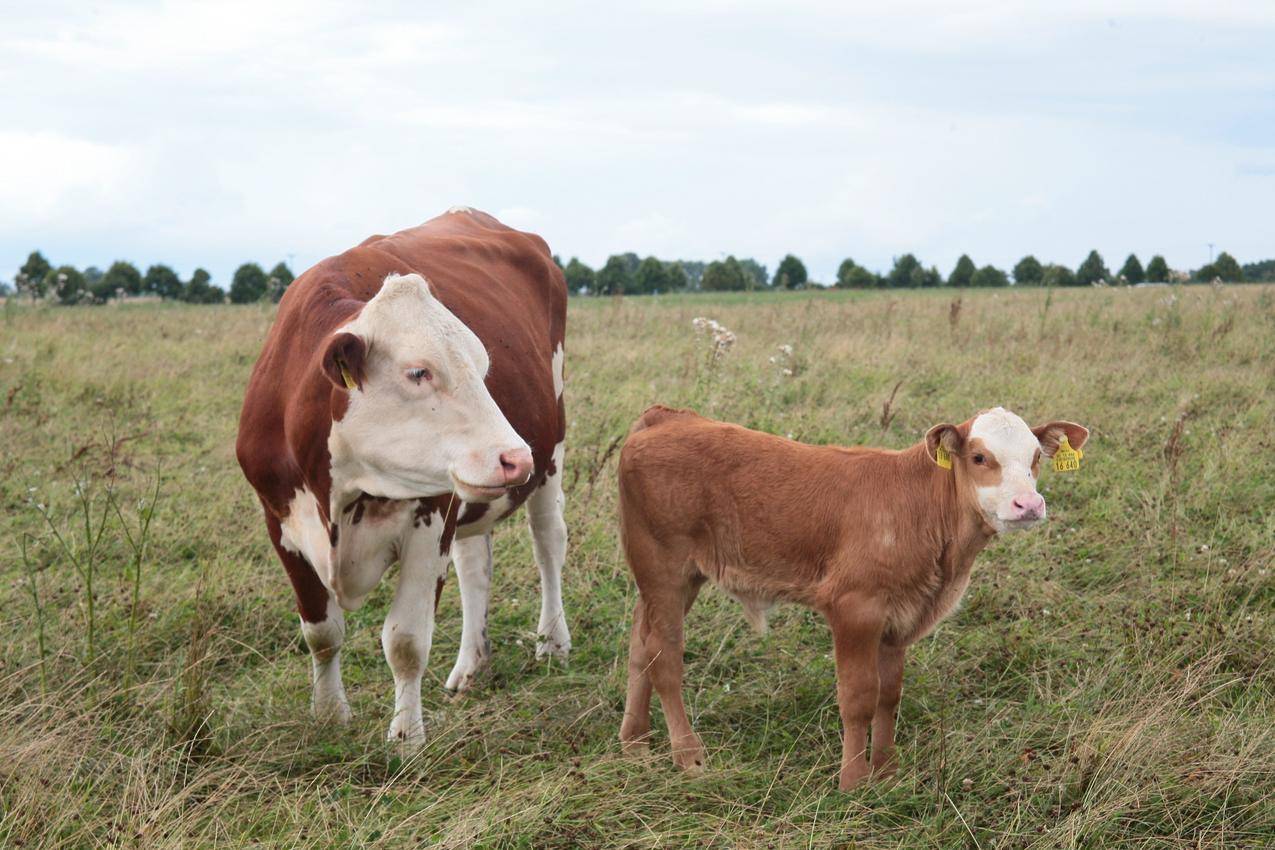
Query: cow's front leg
(856,634)
(409,630)
(549,539)
(472,557)
(324,638)
(890,674)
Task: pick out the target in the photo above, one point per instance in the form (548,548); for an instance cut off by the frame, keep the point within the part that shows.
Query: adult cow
(371,436)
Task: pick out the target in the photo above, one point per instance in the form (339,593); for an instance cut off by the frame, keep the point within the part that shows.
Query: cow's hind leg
(472,557)
(409,630)
(322,626)
(549,538)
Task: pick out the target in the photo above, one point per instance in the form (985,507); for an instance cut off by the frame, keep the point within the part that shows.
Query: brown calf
(881,542)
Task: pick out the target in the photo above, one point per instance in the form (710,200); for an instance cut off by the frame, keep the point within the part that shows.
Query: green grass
(1108,682)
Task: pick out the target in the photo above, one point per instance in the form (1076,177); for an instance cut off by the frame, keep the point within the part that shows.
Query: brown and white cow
(409,396)
(881,542)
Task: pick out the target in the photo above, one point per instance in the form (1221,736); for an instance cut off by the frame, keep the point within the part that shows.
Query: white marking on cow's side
(409,628)
(324,640)
(472,558)
(459,209)
(559,356)
(549,538)
(303,532)
(1013,445)
(403,437)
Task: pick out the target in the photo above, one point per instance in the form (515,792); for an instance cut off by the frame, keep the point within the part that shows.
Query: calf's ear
(345,361)
(945,435)
(1051,433)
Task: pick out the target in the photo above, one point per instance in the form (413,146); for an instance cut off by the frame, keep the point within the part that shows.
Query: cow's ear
(345,361)
(947,437)
(1051,433)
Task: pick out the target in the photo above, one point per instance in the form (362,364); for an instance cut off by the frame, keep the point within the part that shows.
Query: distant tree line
(628,274)
(38,278)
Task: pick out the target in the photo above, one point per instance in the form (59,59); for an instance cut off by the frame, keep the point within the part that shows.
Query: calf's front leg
(856,635)
(890,674)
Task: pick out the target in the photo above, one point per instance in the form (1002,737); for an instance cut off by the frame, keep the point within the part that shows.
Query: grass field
(1108,682)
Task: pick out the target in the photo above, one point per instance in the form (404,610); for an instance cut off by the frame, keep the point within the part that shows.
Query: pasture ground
(1108,682)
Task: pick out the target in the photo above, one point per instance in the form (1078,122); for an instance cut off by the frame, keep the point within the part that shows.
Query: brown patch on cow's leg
(856,634)
(890,675)
(438,591)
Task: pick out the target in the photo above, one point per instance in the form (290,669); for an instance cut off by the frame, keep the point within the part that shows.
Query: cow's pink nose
(1029,506)
(515,466)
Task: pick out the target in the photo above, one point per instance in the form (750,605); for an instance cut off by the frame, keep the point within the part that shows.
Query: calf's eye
(979,459)
(418,375)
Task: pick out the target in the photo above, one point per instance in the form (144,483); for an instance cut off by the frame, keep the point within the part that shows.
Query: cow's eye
(419,374)
(979,459)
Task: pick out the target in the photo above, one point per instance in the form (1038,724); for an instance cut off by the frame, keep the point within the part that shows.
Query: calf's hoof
(853,776)
(406,738)
(690,757)
(332,710)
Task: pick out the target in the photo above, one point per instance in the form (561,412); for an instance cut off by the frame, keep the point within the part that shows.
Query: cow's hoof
(406,739)
(464,675)
(635,749)
(554,643)
(335,710)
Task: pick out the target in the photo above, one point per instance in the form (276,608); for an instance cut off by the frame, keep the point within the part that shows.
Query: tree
(199,289)
(848,276)
(791,273)
(67,285)
(1028,271)
(248,284)
(1263,270)
(963,274)
(902,273)
(1092,270)
(677,278)
(162,281)
(278,280)
(651,276)
(725,275)
(122,276)
(756,271)
(1227,268)
(580,278)
(616,276)
(1056,275)
(1158,270)
(1132,270)
(694,271)
(989,276)
(32,275)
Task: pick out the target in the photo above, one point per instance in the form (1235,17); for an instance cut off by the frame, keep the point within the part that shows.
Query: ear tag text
(1066,459)
(941,457)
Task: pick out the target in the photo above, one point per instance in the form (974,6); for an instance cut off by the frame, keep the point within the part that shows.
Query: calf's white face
(419,420)
(998,456)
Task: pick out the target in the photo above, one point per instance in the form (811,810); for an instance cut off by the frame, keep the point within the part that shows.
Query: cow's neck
(957,527)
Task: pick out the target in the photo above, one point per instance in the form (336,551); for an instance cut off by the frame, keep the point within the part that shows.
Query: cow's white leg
(324,639)
(549,536)
(409,630)
(472,557)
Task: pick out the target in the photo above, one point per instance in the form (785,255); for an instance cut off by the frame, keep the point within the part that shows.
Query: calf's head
(418,419)
(996,460)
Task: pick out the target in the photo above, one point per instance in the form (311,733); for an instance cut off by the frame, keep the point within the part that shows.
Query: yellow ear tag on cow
(348,378)
(1066,459)
(941,457)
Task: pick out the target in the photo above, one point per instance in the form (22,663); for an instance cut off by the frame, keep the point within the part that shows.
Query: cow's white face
(419,421)
(999,456)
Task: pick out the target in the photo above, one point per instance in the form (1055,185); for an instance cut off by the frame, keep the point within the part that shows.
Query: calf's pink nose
(515,466)
(1029,506)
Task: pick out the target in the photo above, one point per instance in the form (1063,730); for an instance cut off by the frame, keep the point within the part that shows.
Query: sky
(209,134)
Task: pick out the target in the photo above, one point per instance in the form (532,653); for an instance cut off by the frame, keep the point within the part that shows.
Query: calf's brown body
(881,542)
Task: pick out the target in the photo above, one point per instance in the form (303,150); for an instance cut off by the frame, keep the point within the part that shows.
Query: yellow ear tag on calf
(1066,459)
(348,378)
(941,457)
